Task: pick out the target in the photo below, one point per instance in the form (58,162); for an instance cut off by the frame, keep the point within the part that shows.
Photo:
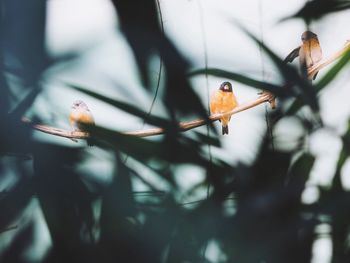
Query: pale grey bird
(80,115)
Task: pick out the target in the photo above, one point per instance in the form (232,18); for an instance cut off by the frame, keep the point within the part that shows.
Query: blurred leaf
(14,201)
(27,45)
(184,246)
(22,240)
(300,171)
(316,9)
(183,150)
(333,72)
(119,227)
(209,140)
(65,200)
(150,119)
(23,106)
(344,152)
(142,30)
(4,89)
(277,90)
(335,202)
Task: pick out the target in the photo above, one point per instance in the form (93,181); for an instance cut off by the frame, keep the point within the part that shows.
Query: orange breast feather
(81,117)
(223,102)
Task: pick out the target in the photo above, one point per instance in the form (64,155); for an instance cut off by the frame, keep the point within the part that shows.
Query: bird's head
(79,104)
(226,87)
(307,35)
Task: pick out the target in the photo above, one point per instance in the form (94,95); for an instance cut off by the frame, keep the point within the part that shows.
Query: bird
(221,101)
(309,52)
(80,116)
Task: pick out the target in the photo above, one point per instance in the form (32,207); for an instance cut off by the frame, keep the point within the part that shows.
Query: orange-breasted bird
(80,115)
(223,100)
(309,52)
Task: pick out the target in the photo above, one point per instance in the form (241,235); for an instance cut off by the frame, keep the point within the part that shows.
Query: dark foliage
(253,213)
(316,9)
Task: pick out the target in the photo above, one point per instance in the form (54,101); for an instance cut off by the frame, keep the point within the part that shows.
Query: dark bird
(80,116)
(309,52)
(223,100)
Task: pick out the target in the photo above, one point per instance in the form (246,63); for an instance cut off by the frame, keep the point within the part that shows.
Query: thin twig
(183,126)
(160,61)
(56,131)
(325,62)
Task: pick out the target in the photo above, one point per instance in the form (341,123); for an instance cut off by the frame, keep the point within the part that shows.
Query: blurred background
(274,190)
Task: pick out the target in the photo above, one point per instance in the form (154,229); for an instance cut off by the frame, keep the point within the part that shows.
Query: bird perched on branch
(223,100)
(80,115)
(309,52)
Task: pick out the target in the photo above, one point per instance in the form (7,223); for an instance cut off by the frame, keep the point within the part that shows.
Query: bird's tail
(224,129)
(91,142)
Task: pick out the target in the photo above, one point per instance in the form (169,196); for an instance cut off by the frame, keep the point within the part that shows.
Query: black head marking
(226,87)
(307,35)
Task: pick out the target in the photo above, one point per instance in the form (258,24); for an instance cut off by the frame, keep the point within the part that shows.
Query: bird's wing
(86,118)
(229,102)
(316,51)
(292,55)
(71,119)
(215,102)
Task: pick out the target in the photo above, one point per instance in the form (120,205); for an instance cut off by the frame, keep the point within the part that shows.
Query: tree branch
(188,125)
(183,126)
(326,61)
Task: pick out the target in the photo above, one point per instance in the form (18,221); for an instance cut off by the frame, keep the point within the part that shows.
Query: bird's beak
(226,87)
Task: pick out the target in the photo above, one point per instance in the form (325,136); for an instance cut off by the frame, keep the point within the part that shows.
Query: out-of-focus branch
(183,126)
(326,61)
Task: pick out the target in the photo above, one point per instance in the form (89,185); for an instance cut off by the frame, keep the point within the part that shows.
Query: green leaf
(173,150)
(316,9)
(150,119)
(23,105)
(328,78)
(210,140)
(333,72)
(275,89)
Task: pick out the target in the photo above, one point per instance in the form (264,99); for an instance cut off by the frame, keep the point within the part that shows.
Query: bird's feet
(270,98)
(72,134)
